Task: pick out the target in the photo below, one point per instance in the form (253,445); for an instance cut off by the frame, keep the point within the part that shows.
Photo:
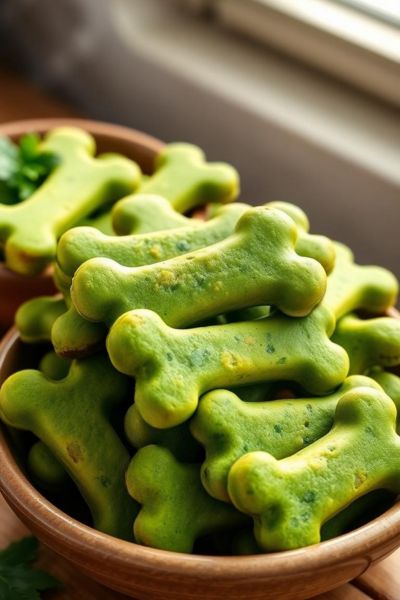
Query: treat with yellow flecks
(83,243)
(174,367)
(145,213)
(353,287)
(177,440)
(255,265)
(35,318)
(175,508)
(77,186)
(290,499)
(71,417)
(228,428)
(319,247)
(369,342)
(186,180)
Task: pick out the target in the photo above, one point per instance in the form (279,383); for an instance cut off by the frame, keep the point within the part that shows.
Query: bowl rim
(77,539)
(100,128)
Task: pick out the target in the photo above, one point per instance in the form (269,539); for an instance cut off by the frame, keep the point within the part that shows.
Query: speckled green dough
(353,287)
(369,342)
(173,367)
(175,508)
(255,265)
(77,186)
(290,499)
(35,318)
(83,243)
(54,366)
(177,440)
(318,247)
(229,428)
(74,337)
(45,469)
(183,177)
(145,213)
(71,417)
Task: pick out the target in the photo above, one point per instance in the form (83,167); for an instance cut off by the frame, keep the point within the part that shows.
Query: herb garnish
(23,167)
(18,579)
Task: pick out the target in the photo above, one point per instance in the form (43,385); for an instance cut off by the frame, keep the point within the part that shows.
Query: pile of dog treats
(215,378)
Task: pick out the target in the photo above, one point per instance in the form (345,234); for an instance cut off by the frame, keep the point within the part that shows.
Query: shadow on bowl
(137,146)
(147,573)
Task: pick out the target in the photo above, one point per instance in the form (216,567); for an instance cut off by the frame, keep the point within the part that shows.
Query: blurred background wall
(175,70)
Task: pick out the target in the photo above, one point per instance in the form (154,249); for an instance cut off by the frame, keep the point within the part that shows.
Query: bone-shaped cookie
(177,440)
(183,177)
(290,499)
(35,318)
(46,471)
(369,342)
(256,265)
(76,187)
(44,467)
(228,428)
(390,383)
(175,508)
(314,246)
(75,337)
(352,287)
(72,417)
(144,213)
(173,367)
(54,366)
(83,243)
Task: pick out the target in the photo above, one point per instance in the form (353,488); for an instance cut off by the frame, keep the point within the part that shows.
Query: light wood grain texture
(79,587)
(383,580)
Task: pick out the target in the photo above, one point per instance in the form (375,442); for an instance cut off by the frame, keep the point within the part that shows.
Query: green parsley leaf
(18,579)
(23,167)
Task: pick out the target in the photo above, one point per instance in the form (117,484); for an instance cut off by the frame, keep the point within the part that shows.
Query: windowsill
(319,109)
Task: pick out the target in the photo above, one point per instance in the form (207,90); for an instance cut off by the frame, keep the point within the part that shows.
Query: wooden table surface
(382,582)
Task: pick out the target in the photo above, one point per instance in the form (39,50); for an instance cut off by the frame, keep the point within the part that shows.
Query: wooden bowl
(141,148)
(145,573)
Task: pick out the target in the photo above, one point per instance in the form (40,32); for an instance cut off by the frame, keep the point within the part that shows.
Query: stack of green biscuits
(232,374)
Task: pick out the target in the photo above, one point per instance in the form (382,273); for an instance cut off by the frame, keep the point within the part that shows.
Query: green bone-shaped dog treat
(369,342)
(186,180)
(77,186)
(54,366)
(71,417)
(35,318)
(255,265)
(83,243)
(175,508)
(314,246)
(353,287)
(75,337)
(173,367)
(290,499)
(390,383)
(45,469)
(177,440)
(228,428)
(144,213)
